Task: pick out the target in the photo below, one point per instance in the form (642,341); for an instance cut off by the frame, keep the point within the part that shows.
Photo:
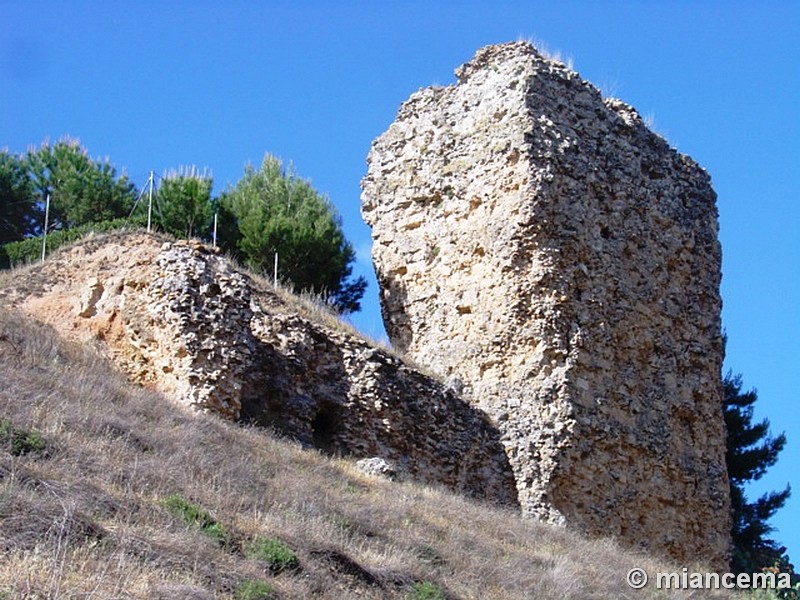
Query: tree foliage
(19,214)
(751,450)
(272,210)
(82,190)
(183,203)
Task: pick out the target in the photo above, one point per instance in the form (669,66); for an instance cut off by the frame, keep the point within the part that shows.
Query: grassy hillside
(111,491)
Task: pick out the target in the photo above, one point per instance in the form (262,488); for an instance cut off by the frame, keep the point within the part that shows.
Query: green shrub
(15,254)
(425,590)
(195,516)
(251,589)
(276,553)
(19,441)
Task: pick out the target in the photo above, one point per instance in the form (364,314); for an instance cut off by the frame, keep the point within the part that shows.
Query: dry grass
(84,517)
(33,280)
(309,305)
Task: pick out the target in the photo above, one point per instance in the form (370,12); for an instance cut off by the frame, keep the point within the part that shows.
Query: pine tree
(19,214)
(183,203)
(751,450)
(272,211)
(82,190)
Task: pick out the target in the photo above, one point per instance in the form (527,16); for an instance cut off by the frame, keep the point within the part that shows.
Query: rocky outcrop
(179,317)
(542,249)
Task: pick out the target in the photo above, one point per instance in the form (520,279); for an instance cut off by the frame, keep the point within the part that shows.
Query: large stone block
(538,245)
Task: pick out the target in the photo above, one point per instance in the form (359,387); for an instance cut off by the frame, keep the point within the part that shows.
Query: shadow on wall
(392,292)
(346,398)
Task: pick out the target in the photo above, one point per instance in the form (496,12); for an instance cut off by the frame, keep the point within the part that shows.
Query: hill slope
(108,490)
(179,317)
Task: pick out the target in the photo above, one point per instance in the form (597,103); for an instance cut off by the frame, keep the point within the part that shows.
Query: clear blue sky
(158,85)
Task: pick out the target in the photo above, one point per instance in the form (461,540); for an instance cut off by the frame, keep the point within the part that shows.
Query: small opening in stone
(325,427)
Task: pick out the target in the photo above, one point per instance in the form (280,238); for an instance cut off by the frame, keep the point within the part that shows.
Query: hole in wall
(325,427)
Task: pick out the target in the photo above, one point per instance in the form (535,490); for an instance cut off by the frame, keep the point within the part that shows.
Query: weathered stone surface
(179,317)
(538,246)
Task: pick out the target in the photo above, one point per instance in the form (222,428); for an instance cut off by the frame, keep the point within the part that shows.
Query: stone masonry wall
(542,249)
(181,318)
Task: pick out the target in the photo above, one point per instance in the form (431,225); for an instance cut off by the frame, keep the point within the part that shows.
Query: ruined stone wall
(538,246)
(183,319)
(333,391)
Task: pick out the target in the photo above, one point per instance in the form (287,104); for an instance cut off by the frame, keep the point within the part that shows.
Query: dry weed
(83,517)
